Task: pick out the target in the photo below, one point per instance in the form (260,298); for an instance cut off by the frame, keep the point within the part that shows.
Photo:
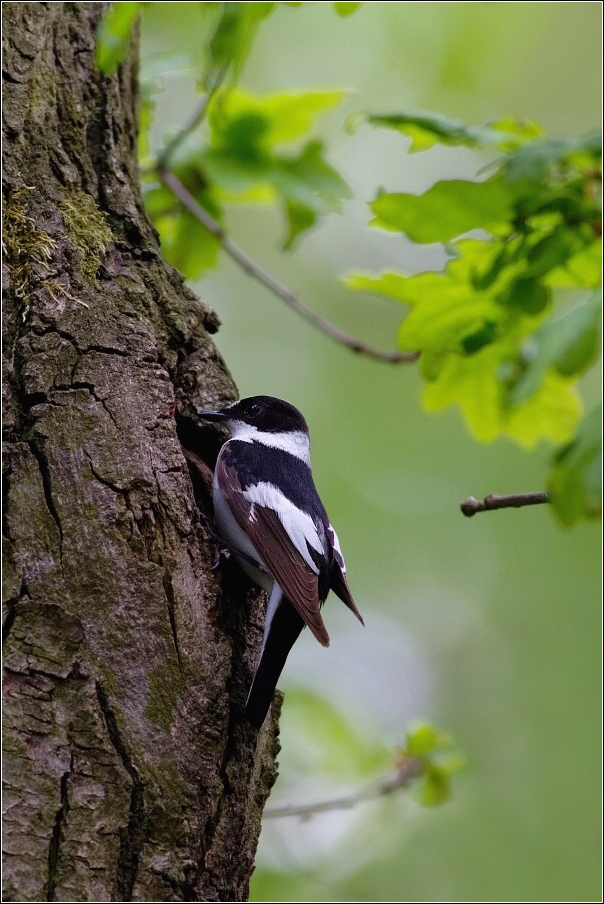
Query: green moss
(109,682)
(91,512)
(27,249)
(87,226)
(12,743)
(39,92)
(166,684)
(88,427)
(172,782)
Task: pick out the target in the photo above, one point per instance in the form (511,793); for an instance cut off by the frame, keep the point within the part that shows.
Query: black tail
(339,585)
(284,631)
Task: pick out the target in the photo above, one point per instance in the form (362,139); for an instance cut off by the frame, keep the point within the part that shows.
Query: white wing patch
(300,527)
(336,548)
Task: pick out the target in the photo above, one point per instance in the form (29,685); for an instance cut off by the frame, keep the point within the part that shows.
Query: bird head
(263,414)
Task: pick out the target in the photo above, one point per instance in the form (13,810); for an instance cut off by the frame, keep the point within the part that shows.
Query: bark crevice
(55,840)
(11,614)
(170,598)
(47,486)
(80,384)
(134,834)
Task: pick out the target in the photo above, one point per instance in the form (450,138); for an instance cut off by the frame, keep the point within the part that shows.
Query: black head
(266,413)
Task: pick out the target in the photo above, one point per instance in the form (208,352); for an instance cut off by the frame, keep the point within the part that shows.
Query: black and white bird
(269,513)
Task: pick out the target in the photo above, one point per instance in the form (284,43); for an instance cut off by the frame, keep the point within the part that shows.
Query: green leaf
(185,242)
(484,336)
(423,739)
(429,129)
(550,252)
(435,788)
(529,295)
(346,9)
(481,324)
(582,270)
(551,413)
(303,181)
(579,348)
(568,343)
(575,481)
(440,762)
(473,383)
(445,314)
(446,210)
(299,219)
(235,32)
(243,161)
(113,35)
(267,121)
(432,363)
(393,285)
(160,201)
(533,161)
(448,314)
(193,249)
(516,131)
(309,179)
(244,164)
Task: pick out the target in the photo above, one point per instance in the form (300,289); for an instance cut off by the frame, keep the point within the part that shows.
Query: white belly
(235,536)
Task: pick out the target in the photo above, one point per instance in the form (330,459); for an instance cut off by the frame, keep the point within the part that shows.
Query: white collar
(295,442)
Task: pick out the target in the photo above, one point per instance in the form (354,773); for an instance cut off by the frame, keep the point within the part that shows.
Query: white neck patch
(295,442)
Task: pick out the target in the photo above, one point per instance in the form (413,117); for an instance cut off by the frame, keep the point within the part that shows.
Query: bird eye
(254,408)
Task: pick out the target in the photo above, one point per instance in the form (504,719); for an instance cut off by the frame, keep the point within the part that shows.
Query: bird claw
(219,554)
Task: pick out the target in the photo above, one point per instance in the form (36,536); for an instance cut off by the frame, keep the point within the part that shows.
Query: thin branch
(194,121)
(249,266)
(471,505)
(408,769)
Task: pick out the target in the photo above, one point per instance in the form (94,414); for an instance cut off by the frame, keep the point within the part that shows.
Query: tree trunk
(130,775)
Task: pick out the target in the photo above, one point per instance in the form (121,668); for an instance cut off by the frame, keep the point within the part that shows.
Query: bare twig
(195,120)
(249,266)
(409,768)
(471,505)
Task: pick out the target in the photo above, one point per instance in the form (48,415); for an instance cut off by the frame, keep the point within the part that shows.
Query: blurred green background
(489,627)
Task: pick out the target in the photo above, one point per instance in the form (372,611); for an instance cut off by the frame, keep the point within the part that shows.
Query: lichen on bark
(129,773)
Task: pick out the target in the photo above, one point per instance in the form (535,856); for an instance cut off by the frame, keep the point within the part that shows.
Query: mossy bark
(130,775)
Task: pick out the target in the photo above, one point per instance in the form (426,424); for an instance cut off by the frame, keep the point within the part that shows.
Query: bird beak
(213,415)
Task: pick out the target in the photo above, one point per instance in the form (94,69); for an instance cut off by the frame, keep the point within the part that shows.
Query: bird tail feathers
(339,585)
(283,632)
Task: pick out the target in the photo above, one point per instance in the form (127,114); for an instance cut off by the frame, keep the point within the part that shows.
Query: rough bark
(129,773)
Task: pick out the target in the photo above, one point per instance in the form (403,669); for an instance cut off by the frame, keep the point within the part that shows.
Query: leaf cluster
(248,157)
(252,149)
(512,321)
(439,761)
